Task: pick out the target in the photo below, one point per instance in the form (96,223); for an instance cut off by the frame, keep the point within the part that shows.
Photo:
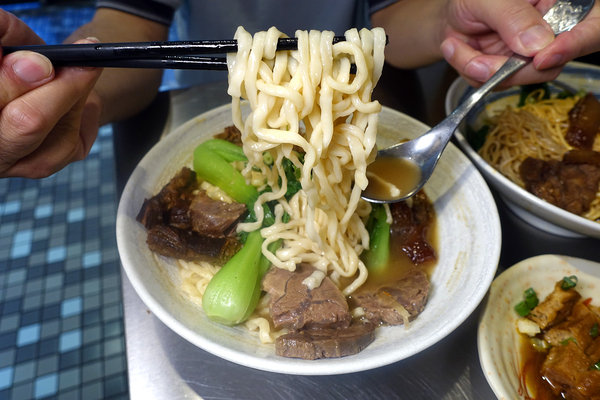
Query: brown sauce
(388,172)
(533,385)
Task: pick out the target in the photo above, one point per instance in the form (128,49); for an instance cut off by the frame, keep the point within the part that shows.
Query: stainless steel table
(162,365)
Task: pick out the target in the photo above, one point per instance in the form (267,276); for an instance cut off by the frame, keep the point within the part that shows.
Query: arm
(477,36)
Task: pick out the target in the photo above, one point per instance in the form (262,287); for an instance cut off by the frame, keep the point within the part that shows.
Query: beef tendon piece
(231,134)
(411,226)
(395,303)
(555,307)
(312,344)
(584,122)
(295,306)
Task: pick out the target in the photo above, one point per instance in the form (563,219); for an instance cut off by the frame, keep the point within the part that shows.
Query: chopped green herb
(530,300)
(594,330)
(522,309)
(568,282)
(596,366)
(567,340)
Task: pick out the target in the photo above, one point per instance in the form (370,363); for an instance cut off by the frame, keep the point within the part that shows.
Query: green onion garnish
(594,330)
(566,341)
(530,300)
(568,282)
(596,366)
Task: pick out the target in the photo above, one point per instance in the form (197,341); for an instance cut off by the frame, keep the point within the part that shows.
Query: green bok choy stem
(212,164)
(376,258)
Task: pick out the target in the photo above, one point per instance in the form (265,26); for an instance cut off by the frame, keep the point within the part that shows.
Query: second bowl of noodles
(536,130)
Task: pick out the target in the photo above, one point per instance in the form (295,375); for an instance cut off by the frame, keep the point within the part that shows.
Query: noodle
(537,129)
(307,99)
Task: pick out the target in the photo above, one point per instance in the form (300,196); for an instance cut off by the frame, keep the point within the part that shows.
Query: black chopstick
(88,51)
(166,62)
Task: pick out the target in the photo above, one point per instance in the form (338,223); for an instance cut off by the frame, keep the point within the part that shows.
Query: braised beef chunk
(231,134)
(584,122)
(183,222)
(567,184)
(555,307)
(385,304)
(411,225)
(295,306)
(212,217)
(312,344)
(176,193)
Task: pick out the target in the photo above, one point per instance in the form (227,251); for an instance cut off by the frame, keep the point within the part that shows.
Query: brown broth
(399,264)
(533,385)
(403,174)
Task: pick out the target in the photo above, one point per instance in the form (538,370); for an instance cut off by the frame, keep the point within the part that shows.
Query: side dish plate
(469,248)
(498,339)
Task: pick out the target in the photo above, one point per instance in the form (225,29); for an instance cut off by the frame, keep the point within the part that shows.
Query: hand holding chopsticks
(163,55)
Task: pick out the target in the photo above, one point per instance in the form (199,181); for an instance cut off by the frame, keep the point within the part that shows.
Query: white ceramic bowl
(532,209)
(469,248)
(498,339)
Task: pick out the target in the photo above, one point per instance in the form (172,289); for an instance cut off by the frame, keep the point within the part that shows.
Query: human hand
(48,118)
(480,35)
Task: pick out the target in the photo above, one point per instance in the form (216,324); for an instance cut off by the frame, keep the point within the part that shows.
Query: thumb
(519,24)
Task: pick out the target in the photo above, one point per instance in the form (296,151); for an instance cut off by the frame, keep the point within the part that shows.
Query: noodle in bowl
(469,248)
(532,209)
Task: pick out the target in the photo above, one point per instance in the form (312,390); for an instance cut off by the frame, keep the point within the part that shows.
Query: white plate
(532,209)
(469,248)
(498,339)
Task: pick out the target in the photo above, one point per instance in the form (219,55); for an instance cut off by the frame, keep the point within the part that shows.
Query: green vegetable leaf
(476,138)
(376,258)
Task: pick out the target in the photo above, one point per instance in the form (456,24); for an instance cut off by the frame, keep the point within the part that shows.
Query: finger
(21,72)
(476,67)
(519,24)
(581,40)
(13,31)
(61,147)
(25,122)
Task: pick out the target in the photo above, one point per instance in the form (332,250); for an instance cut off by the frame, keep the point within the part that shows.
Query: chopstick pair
(162,55)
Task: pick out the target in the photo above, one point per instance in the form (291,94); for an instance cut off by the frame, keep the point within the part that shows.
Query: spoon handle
(512,65)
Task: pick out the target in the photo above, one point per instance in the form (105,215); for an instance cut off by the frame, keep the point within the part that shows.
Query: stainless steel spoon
(425,151)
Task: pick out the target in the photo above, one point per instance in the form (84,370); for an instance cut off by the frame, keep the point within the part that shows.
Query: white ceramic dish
(532,209)
(498,339)
(469,248)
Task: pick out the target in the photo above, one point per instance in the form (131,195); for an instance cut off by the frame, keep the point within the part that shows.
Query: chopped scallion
(594,330)
(596,366)
(530,300)
(569,282)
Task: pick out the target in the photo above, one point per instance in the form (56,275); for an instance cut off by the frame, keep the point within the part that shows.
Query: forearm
(415,31)
(123,92)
